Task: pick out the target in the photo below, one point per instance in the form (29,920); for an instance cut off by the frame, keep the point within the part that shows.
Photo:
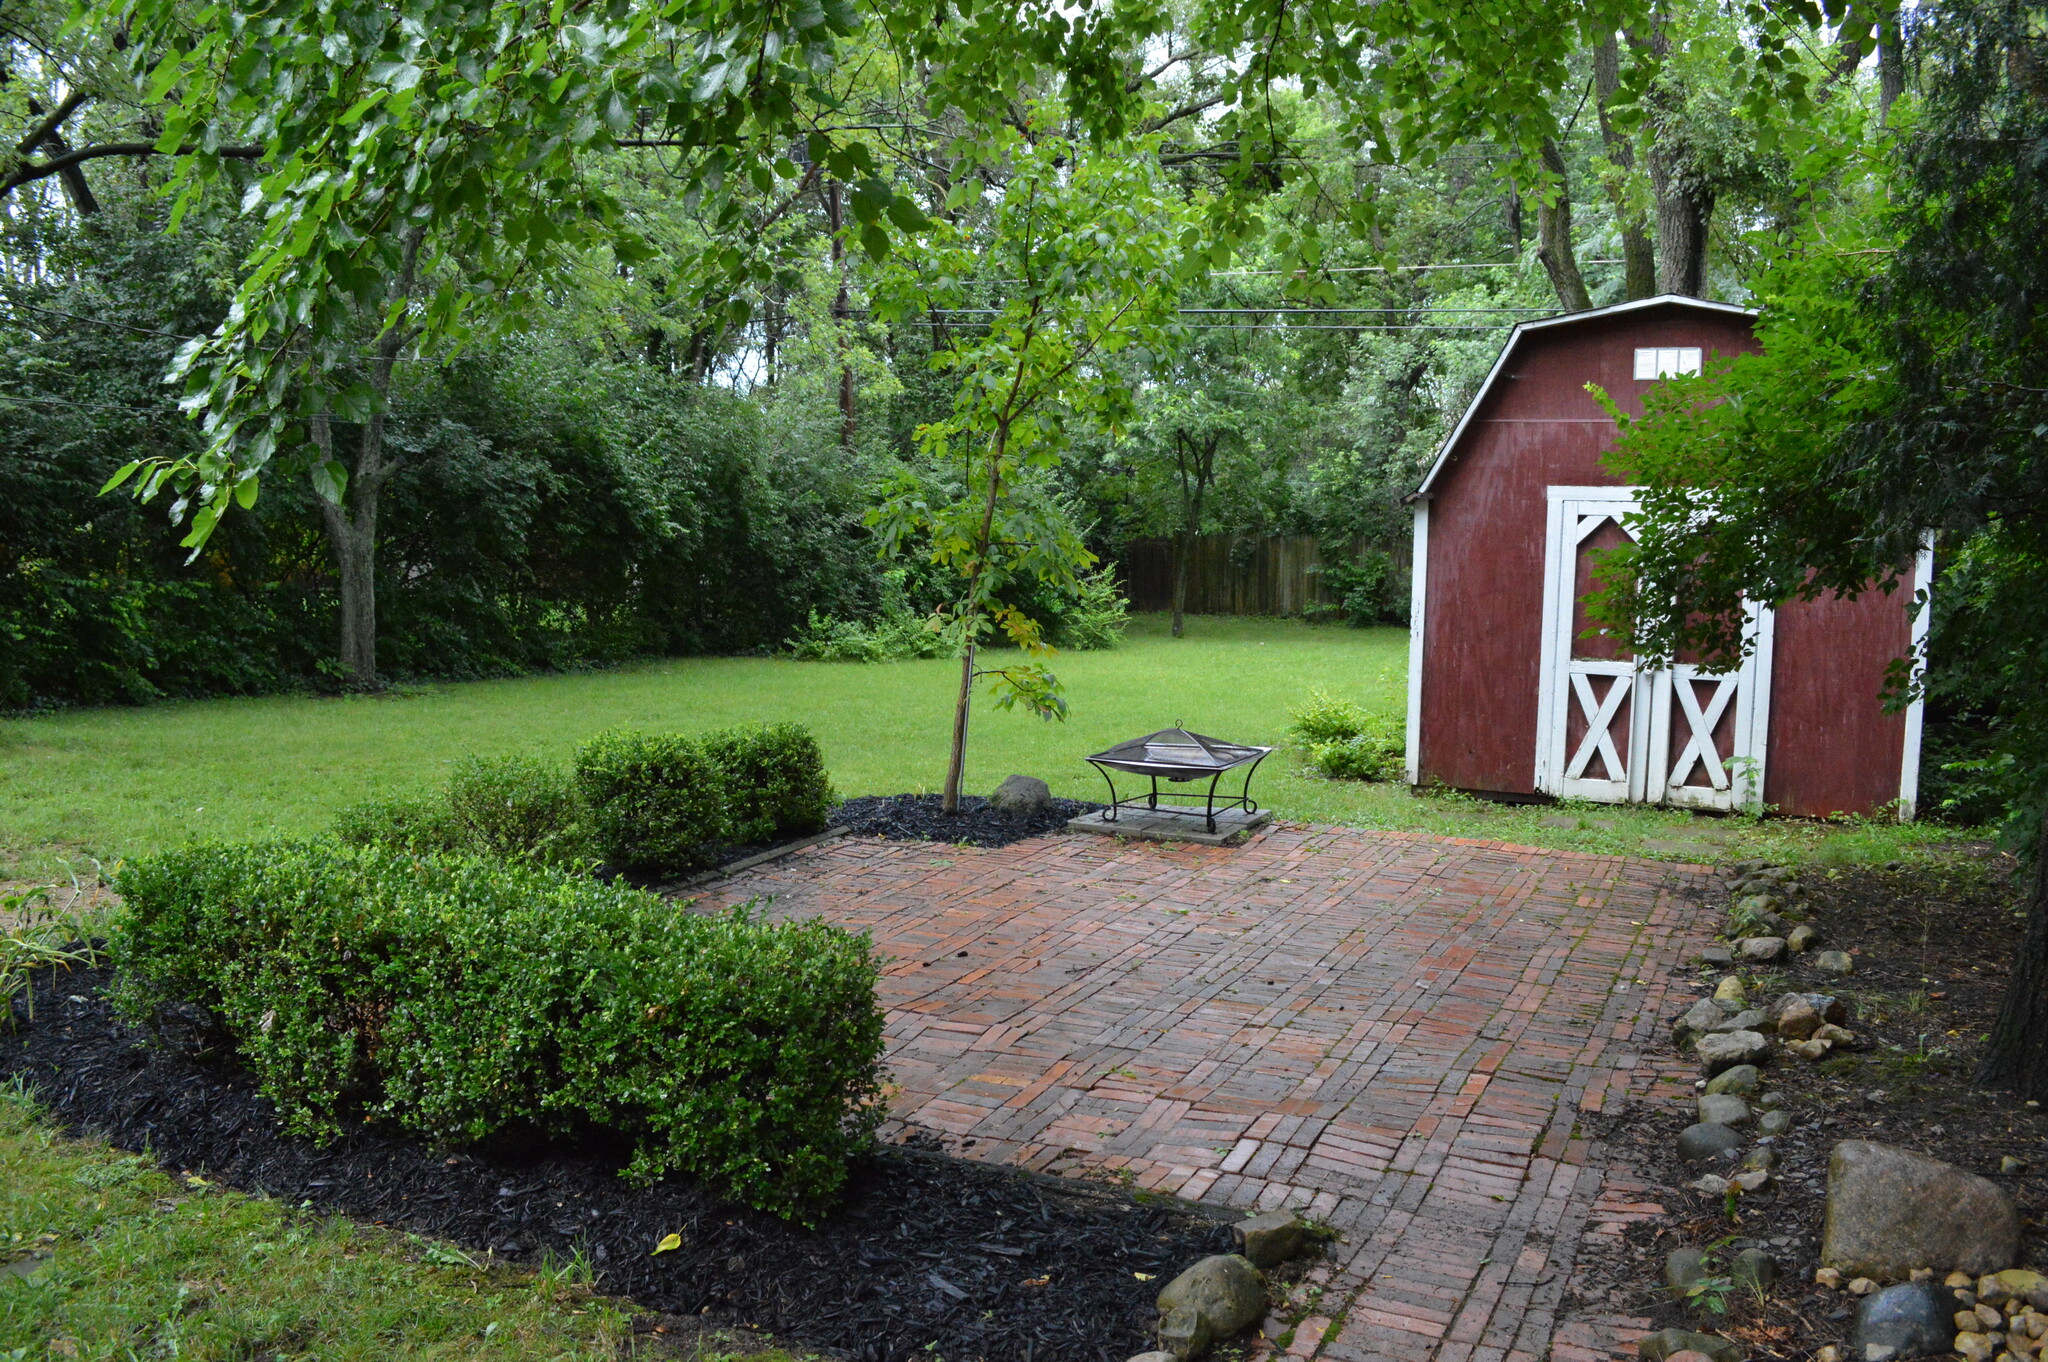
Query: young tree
(1080,255)
(1898,396)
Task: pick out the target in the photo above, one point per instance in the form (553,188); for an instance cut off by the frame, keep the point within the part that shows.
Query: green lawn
(103,784)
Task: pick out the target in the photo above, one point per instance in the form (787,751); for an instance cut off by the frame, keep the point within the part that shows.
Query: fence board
(1229,575)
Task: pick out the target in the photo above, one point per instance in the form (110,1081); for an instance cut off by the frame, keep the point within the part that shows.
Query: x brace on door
(1599,716)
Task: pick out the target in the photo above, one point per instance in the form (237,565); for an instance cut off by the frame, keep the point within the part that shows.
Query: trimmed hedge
(462,997)
(775,781)
(656,800)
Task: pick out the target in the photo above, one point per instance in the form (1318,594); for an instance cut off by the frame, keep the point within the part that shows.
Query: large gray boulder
(1890,1211)
(1022,797)
(1913,1319)
(1725,1052)
(1211,1300)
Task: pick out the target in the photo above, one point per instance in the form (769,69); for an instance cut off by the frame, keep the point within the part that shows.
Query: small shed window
(1667,361)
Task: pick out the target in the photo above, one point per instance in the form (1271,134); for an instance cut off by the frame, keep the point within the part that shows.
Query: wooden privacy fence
(1229,574)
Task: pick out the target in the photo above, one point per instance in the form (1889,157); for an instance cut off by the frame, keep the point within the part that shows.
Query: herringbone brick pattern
(1397,1033)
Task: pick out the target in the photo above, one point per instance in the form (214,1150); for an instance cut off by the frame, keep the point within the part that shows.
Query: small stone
(1966,1320)
(1960,1279)
(1753,1270)
(1021,797)
(1811,1049)
(1771,1101)
(1834,962)
(1921,1274)
(1752,1181)
(1715,957)
(1795,1017)
(1835,1035)
(1730,990)
(1975,1346)
(2011,1166)
(1183,1333)
(1759,1158)
(1992,1291)
(1717,1053)
(1910,1320)
(1154,1357)
(1696,1021)
(1666,1344)
(1685,1269)
(1699,1143)
(1801,939)
(2031,1287)
(1740,1080)
(1724,1109)
(1827,1277)
(1989,1317)
(1749,1019)
(1861,1286)
(1760,905)
(1774,1123)
(1829,1353)
(1709,1184)
(1270,1238)
(1762,949)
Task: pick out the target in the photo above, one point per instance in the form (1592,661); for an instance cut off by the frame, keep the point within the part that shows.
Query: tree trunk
(956,763)
(1183,546)
(1554,233)
(2018,1053)
(835,217)
(1638,257)
(1685,205)
(1891,69)
(352,531)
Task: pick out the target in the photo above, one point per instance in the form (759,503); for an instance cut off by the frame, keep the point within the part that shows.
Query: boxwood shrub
(775,781)
(463,997)
(656,800)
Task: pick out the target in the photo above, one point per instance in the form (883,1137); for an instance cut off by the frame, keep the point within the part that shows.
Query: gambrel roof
(1443,455)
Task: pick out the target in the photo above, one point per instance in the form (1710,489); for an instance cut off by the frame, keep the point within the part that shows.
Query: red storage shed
(1505,694)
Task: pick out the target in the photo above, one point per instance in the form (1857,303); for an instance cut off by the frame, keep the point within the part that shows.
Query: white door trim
(1909,763)
(1418,607)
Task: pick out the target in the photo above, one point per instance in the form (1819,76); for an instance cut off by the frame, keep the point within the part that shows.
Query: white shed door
(1611,730)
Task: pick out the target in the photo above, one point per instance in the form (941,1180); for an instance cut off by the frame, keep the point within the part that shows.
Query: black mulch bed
(1932,949)
(922,818)
(925,1251)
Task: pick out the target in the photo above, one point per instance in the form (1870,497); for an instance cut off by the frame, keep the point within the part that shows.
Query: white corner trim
(1909,761)
(1418,604)
(1443,453)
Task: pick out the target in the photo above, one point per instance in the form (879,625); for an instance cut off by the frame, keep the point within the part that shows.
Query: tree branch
(57,165)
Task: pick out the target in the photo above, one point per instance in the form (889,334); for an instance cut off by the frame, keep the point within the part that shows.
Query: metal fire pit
(1178,756)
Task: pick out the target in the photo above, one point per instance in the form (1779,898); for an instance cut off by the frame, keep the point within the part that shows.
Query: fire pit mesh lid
(1179,750)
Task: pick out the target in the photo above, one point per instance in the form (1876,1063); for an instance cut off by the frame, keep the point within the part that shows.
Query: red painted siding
(1833,749)
(1538,427)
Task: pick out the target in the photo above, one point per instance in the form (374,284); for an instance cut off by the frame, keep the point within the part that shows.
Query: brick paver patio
(1410,1037)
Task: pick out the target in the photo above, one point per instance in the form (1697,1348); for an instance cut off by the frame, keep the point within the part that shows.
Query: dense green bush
(462,997)
(775,781)
(422,825)
(520,809)
(656,800)
(1345,741)
(1095,616)
(895,636)
(513,808)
